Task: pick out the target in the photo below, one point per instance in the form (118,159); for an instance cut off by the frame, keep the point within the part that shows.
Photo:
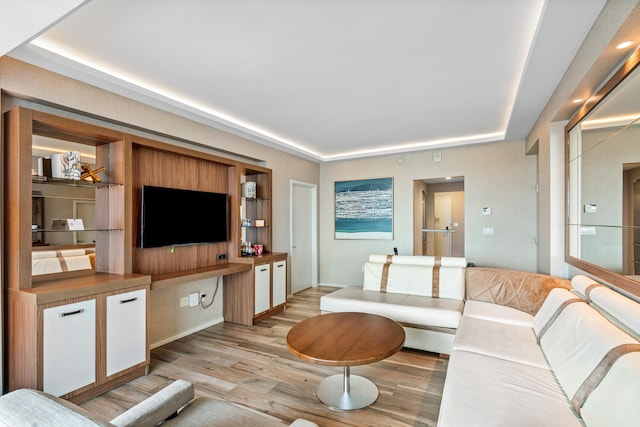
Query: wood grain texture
(345,339)
(251,366)
(174,170)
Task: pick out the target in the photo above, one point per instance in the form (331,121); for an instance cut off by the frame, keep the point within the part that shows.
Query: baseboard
(331,285)
(188,332)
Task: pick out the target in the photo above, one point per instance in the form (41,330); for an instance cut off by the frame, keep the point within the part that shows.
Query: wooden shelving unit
(121,266)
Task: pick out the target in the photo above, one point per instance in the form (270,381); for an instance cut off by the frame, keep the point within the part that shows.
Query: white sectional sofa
(576,362)
(525,349)
(424,294)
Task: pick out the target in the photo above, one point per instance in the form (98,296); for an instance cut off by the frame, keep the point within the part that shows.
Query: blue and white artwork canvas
(364,209)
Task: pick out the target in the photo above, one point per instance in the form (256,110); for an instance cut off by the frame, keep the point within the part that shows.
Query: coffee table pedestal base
(346,392)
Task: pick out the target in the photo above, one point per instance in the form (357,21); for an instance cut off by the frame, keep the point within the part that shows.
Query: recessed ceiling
(329,80)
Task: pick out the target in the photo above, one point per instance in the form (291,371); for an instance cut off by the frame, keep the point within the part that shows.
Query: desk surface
(345,339)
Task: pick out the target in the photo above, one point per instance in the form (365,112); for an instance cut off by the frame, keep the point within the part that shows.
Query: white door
(262,288)
(279,283)
(303,236)
(126,330)
(442,220)
(69,347)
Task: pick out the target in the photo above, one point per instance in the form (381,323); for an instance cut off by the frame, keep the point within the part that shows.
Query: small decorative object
(44,166)
(66,165)
(257,249)
(67,224)
(259,222)
(91,175)
(249,190)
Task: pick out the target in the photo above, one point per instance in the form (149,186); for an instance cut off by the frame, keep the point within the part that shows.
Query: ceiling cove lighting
(472,139)
(624,45)
(147,86)
(222,118)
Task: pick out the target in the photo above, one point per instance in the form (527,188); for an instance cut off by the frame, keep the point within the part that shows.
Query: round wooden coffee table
(346,339)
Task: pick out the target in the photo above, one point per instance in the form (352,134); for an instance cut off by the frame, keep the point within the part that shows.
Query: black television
(171,217)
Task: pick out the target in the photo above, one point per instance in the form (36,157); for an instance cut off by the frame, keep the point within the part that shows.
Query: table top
(345,339)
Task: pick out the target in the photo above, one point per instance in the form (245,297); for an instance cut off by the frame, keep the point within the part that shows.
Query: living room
(521,180)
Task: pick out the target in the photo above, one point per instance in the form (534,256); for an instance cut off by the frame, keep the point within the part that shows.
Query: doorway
(439,216)
(303,236)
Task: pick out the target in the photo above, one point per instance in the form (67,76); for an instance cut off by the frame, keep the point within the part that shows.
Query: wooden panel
(164,169)
(17,207)
(21,344)
(238,298)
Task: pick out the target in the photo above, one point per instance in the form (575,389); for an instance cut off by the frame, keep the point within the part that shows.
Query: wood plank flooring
(251,366)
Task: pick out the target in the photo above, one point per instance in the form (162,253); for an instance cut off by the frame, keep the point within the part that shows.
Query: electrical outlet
(221,257)
(193,299)
(184,301)
(202,295)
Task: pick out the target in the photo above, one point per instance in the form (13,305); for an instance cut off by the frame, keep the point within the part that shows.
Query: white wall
(497,175)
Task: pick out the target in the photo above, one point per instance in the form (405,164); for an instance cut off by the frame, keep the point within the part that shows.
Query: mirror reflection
(51,203)
(603,190)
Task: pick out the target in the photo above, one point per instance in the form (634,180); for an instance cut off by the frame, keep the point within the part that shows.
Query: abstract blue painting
(364,209)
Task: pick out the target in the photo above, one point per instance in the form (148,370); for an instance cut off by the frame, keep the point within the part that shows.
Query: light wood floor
(251,366)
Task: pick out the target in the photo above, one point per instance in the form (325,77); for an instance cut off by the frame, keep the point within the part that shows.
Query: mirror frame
(623,282)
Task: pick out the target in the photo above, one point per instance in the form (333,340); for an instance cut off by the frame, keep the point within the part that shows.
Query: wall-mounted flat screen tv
(171,217)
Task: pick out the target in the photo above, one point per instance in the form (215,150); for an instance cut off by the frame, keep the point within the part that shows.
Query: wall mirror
(603,182)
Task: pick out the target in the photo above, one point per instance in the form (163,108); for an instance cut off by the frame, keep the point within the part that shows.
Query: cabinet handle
(280,265)
(71,313)
(263,269)
(124,301)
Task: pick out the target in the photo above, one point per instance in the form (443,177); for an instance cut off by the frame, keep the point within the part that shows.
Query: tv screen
(182,217)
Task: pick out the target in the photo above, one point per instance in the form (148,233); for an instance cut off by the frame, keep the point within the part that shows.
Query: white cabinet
(262,288)
(69,347)
(126,330)
(279,282)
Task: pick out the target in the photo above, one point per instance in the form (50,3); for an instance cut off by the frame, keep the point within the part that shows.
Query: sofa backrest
(596,362)
(622,311)
(442,277)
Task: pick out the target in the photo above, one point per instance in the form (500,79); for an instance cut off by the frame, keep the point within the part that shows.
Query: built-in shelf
(70,182)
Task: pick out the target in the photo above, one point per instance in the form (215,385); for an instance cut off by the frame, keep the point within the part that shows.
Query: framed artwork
(364,209)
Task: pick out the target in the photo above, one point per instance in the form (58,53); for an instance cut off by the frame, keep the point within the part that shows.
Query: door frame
(314,228)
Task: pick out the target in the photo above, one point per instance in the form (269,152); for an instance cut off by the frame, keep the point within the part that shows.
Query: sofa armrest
(26,407)
(157,408)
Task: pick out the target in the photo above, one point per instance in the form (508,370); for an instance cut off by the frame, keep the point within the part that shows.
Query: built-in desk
(165,280)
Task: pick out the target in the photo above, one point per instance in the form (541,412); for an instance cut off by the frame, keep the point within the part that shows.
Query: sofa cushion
(614,402)
(577,342)
(406,309)
(502,340)
(622,311)
(556,302)
(516,289)
(482,391)
(416,275)
(497,313)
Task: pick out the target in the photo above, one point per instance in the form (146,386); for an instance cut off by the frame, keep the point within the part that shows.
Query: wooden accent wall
(175,170)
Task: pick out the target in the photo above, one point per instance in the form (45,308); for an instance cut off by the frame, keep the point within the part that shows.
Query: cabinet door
(279,282)
(126,330)
(69,347)
(262,288)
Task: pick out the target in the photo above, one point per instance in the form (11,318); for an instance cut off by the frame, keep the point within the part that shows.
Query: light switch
(488,231)
(590,208)
(588,231)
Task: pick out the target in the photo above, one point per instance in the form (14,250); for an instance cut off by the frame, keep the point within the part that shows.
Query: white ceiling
(325,79)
